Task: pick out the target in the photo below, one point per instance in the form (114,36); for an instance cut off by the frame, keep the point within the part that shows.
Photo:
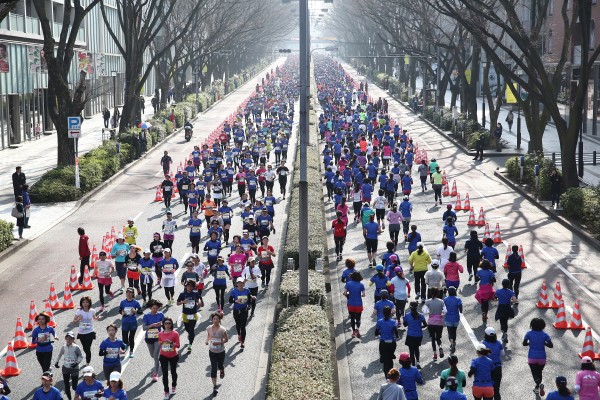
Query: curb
(19,244)
(570,225)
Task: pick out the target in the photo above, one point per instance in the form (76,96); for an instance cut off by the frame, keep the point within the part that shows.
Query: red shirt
(168,350)
(84,247)
(339,228)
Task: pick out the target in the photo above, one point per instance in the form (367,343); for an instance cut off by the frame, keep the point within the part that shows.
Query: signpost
(74,132)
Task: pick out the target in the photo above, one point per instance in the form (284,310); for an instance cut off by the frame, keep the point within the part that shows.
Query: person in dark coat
(18,179)
(21,220)
(555,187)
(479,147)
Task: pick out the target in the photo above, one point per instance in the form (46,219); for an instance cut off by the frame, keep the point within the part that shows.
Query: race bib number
(90,394)
(237,267)
(226,215)
(130,234)
(221,275)
(191,317)
(264,222)
(146,271)
(195,229)
(269,203)
(43,337)
(216,345)
(132,267)
(127,310)
(265,254)
(166,347)
(190,303)
(152,333)
(167,188)
(122,253)
(212,252)
(184,187)
(85,326)
(283,173)
(242,299)
(104,272)
(168,268)
(112,352)
(69,360)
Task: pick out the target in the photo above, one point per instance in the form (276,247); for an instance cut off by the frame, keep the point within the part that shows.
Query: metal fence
(588,158)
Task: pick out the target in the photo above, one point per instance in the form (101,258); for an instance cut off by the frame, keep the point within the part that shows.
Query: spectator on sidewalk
(26,205)
(142,104)
(106,116)
(18,179)
(154,103)
(479,147)
(555,187)
(498,135)
(509,120)
(20,215)
(84,252)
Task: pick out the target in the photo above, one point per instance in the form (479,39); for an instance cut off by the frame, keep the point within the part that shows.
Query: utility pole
(304,126)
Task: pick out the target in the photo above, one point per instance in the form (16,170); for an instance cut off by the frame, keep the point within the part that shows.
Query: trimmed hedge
(301,365)
(6,234)
(582,205)
(289,289)
(546,166)
(315,209)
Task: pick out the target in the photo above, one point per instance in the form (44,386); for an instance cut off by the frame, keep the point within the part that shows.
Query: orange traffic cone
(467,205)
(67,298)
(53,298)
(444,180)
(481,220)
(73,280)
(486,233)
(576,323)
(94,257)
(11,368)
(508,253)
(32,316)
(20,340)
(497,237)
(457,206)
(48,310)
(472,221)
(557,299)
(543,297)
(158,195)
(454,191)
(588,345)
(561,318)
(112,232)
(446,190)
(522,255)
(87,280)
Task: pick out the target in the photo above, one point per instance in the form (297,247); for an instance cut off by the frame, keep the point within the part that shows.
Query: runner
(587,380)
(70,367)
(241,297)
(387,331)
(266,252)
(114,390)
(220,272)
(47,391)
(152,325)
(410,377)
(42,336)
(146,269)
(434,280)
(419,260)
(454,308)
(216,337)
(506,298)
(563,392)
(537,340)
(435,323)
(129,309)
(452,270)
(132,263)
(371,230)
(515,271)
(401,293)
(194,224)
(392,390)
(169,226)
(169,343)
(130,232)
(339,234)
(460,378)
(110,349)
(486,291)
(89,388)
(497,352)
(452,393)
(85,317)
(282,172)
(250,276)
(169,266)
(415,322)
(354,291)
(395,218)
(119,252)
(105,270)
(473,248)
(481,369)
(191,300)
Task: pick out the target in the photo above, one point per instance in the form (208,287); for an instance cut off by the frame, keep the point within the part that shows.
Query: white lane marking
(137,216)
(482,196)
(139,336)
(160,172)
(469,330)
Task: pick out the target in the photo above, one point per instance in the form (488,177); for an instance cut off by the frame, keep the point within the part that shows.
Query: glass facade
(24,82)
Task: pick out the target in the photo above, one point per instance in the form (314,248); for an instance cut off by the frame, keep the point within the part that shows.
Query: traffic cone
(467,205)
(444,180)
(67,298)
(543,297)
(522,255)
(94,257)
(158,196)
(53,298)
(472,219)
(446,190)
(73,280)
(576,323)
(561,318)
(32,316)
(457,205)
(48,310)
(87,280)
(481,220)
(486,233)
(112,233)
(20,340)
(588,345)
(454,191)
(497,237)
(557,299)
(11,368)
(508,253)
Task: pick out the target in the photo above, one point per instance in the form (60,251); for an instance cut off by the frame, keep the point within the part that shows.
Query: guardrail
(588,158)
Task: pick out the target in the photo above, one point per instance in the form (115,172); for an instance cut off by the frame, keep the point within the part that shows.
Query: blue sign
(73,123)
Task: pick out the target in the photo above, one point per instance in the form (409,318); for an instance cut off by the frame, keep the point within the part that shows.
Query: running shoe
(102,308)
(189,349)
(441,352)
(166,396)
(126,348)
(155,377)
(542,390)
(173,390)
(418,366)
(354,333)
(358,334)
(434,357)
(111,294)
(215,391)
(242,346)
(470,277)
(452,347)
(131,355)
(222,374)
(505,337)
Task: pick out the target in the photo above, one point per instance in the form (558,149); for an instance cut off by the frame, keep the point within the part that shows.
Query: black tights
(253,292)
(86,342)
(135,283)
(485,306)
(147,290)
(400,307)
(164,366)
(536,372)
(102,288)
(220,294)
(217,361)
(129,339)
(452,332)
(394,236)
(435,332)
(169,293)
(265,273)
(504,325)
(339,245)
(515,281)
(189,328)
(241,319)
(70,380)
(355,320)
(415,354)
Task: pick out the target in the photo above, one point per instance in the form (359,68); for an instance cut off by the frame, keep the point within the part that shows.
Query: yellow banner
(468,75)
(511,97)
(406,60)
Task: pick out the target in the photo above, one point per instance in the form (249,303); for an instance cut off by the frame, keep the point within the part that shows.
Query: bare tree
(6,6)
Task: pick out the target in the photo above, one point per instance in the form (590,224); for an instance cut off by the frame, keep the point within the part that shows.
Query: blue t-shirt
(490,253)
(504,295)
(380,282)
(409,377)
(149,319)
(346,273)
(496,348)
(485,276)
(452,309)
(449,395)
(355,290)
(213,247)
(194,225)
(380,305)
(119,395)
(450,232)
(88,392)
(171,262)
(413,239)
(386,329)
(372,230)
(243,295)
(537,344)
(125,306)
(52,394)
(483,367)
(220,274)
(112,356)
(43,338)
(415,325)
(557,396)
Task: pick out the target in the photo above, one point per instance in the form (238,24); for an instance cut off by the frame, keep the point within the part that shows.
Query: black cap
(561,380)
(48,375)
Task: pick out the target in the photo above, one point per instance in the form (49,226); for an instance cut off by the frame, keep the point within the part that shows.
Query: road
(553,253)
(25,276)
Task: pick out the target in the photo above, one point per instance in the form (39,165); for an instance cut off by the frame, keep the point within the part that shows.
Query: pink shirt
(168,349)
(387,151)
(237,262)
(589,383)
(451,270)
(394,217)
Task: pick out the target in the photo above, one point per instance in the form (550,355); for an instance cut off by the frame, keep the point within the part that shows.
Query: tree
(63,103)
(6,6)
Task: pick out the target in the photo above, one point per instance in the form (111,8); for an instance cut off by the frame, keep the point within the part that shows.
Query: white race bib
(212,252)
(242,299)
(191,303)
(166,347)
(152,333)
(221,275)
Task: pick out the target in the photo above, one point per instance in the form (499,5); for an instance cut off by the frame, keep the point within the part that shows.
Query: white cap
(147,251)
(240,279)
(88,371)
(480,347)
(435,262)
(120,236)
(490,331)
(115,376)
(167,250)
(420,244)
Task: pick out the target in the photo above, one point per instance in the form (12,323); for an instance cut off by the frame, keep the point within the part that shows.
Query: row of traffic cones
(458,206)
(480,221)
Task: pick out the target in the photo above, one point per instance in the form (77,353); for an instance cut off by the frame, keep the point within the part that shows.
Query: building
(23,81)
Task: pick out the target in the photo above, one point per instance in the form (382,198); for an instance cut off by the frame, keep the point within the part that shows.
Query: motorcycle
(188,131)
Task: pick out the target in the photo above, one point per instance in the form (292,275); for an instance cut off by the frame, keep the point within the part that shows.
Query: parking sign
(74,127)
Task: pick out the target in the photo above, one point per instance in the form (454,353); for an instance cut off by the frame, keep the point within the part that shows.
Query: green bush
(572,202)
(546,166)
(582,204)
(6,234)
(56,185)
(301,366)
(289,289)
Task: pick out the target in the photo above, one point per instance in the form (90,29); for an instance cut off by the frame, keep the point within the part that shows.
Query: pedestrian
(415,322)
(459,376)
(110,349)
(481,369)
(106,116)
(241,299)
(401,293)
(537,340)
(509,120)
(216,337)
(473,247)
(435,322)
(454,308)
(18,212)
(42,337)
(169,357)
(387,331)
(119,252)
(486,291)
(18,180)
(354,291)
(168,266)
(555,187)
(132,263)
(452,392)
(587,380)
(142,104)
(479,146)
(90,387)
(165,162)
(418,261)
(84,252)
(497,352)
(26,206)
(497,136)
(70,369)
(562,392)
(191,300)
(391,390)
(114,389)
(152,325)
(154,103)
(410,377)
(85,317)
(128,309)
(47,391)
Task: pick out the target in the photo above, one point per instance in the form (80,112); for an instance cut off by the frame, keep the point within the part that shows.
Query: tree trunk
(568,145)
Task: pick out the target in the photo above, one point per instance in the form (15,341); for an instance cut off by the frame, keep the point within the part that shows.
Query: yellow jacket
(419,262)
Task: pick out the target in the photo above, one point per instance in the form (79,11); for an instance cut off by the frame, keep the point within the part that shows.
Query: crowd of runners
(371,172)
(240,176)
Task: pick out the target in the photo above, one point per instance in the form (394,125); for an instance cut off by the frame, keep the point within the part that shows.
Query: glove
(56,365)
